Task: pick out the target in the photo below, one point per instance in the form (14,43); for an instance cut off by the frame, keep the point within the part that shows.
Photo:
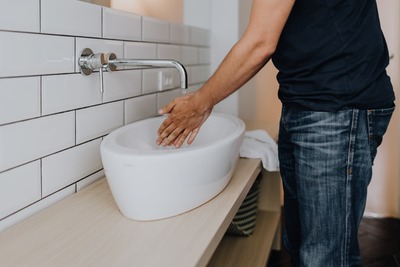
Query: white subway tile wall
(65,168)
(122,84)
(150,80)
(67,92)
(32,139)
(24,54)
(52,118)
(98,121)
(180,34)
(139,50)
(70,18)
(190,56)
(22,15)
(155,30)
(13,107)
(140,107)
(169,52)
(121,25)
(20,187)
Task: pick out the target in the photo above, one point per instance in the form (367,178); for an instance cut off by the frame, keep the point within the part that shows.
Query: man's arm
(244,60)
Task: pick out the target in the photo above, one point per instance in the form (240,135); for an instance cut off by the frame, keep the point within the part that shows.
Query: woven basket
(244,221)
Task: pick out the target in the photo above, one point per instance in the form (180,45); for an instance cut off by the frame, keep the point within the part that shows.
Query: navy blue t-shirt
(332,55)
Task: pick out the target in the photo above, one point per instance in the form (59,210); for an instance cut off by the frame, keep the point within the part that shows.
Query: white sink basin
(150,182)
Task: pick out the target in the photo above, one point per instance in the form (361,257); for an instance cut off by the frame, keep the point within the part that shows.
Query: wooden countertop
(88,230)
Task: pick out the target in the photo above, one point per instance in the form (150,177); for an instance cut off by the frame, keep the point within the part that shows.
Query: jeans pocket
(378,121)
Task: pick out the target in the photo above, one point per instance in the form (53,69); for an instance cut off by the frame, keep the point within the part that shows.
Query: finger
(162,128)
(167,139)
(182,138)
(193,135)
(176,141)
(164,131)
(166,123)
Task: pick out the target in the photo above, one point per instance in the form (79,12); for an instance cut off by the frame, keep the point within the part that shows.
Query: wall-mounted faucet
(90,62)
(114,62)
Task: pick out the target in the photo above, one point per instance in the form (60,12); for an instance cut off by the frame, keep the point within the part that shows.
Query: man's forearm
(251,52)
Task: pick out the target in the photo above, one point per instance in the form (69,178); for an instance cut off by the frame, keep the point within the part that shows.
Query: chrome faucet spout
(89,62)
(114,62)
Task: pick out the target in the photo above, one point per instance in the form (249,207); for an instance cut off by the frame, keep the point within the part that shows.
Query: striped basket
(244,221)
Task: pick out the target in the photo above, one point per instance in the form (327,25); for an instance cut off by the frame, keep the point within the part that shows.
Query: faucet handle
(88,62)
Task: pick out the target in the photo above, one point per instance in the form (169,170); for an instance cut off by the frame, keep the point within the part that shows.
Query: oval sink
(150,182)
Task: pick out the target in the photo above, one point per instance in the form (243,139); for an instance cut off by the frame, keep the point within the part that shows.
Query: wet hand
(185,116)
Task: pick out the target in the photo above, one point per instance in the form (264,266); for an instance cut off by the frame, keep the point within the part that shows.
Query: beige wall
(170,10)
(260,102)
(383,198)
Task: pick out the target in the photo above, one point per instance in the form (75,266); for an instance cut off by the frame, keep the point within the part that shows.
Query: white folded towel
(258,144)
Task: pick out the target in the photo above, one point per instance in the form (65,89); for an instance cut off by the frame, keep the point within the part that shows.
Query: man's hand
(186,114)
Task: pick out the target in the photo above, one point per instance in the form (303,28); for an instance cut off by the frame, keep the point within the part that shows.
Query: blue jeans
(326,165)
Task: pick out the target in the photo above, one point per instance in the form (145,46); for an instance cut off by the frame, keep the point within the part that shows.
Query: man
(337,102)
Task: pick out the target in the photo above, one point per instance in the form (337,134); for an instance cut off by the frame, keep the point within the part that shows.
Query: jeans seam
(349,175)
